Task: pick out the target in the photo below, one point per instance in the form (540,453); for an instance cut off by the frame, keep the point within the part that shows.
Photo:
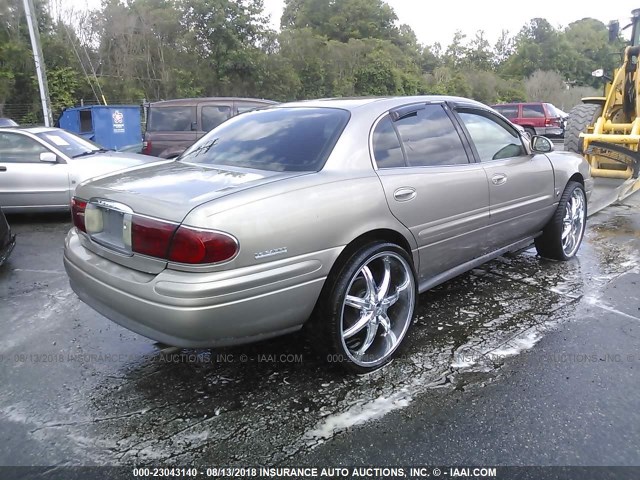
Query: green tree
(344,19)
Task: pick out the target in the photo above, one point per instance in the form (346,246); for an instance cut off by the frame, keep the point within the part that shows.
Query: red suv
(535,117)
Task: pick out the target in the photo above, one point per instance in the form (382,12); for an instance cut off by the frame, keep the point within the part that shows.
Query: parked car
(536,118)
(565,119)
(336,212)
(7,122)
(7,240)
(174,125)
(40,167)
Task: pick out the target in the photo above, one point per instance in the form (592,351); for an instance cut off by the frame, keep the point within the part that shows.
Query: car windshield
(69,144)
(279,139)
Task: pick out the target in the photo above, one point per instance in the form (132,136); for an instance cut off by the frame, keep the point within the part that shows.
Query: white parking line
(52,272)
(596,303)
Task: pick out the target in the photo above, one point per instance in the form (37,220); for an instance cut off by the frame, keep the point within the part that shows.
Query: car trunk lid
(158,198)
(170,191)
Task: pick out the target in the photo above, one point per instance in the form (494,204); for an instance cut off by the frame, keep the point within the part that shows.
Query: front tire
(562,236)
(367,308)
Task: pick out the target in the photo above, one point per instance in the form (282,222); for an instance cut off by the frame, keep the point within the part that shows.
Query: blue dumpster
(111,126)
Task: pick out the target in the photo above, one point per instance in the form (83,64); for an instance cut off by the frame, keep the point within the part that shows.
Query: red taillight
(201,246)
(552,121)
(151,237)
(78,207)
(165,240)
(146,147)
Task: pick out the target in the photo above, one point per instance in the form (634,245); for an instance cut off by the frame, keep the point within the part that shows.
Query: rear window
(533,111)
(281,139)
(171,119)
(509,111)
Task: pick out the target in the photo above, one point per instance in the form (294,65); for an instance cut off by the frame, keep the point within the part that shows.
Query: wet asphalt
(520,362)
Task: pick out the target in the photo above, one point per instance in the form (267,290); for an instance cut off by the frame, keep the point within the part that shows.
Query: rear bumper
(553,131)
(7,249)
(189,309)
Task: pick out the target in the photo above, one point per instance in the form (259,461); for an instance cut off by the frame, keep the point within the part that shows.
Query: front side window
(279,139)
(214,116)
(386,145)
(493,141)
(533,111)
(171,119)
(430,139)
(17,148)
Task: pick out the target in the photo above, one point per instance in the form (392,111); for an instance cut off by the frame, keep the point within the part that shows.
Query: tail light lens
(151,237)
(160,239)
(146,147)
(195,246)
(78,207)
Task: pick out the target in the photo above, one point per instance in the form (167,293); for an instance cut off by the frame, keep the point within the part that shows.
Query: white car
(41,167)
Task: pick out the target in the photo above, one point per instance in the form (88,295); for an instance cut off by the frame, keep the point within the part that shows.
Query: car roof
(189,102)
(357,103)
(519,103)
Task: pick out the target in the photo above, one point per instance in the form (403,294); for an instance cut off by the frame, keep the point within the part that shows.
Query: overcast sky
(435,21)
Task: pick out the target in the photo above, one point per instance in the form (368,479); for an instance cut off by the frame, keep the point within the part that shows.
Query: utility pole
(39,61)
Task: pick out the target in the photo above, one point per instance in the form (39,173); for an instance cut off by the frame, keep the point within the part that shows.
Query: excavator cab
(606,130)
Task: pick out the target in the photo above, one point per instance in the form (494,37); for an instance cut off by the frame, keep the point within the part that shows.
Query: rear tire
(562,236)
(366,308)
(580,117)
(531,131)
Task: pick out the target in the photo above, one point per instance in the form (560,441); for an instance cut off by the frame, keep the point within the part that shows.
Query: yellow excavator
(606,130)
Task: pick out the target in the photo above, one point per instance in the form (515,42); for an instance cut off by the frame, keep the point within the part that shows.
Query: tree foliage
(135,50)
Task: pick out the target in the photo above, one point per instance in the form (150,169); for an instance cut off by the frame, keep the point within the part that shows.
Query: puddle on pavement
(263,404)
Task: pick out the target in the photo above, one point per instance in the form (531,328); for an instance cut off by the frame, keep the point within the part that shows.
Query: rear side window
(281,139)
(171,119)
(509,111)
(430,139)
(386,145)
(212,116)
(532,111)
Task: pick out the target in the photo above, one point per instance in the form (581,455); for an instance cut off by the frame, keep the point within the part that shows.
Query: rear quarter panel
(303,215)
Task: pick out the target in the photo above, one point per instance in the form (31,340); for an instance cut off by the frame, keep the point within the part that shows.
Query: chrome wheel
(377,309)
(573,222)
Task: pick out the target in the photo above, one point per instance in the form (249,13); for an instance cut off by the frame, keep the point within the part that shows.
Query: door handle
(3,169)
(404,194)
(499,179)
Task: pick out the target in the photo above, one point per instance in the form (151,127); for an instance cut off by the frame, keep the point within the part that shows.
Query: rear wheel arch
(380,235)
(372,236)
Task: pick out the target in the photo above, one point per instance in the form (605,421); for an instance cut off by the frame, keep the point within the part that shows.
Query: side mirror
(194,126)
(598,73)
(541,144)
(614,31)
(48,157)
